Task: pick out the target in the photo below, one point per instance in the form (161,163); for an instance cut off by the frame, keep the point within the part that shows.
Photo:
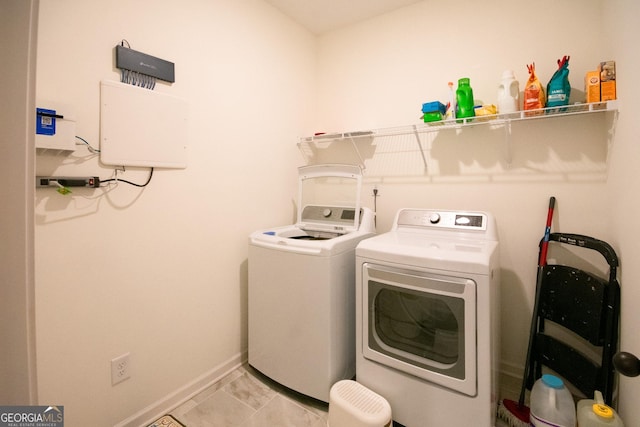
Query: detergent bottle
(594,413)
(464,100)
(551,404)
(508,93)
(559,88)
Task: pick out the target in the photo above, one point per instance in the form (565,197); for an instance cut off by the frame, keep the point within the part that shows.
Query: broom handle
(547,232)
(542,261)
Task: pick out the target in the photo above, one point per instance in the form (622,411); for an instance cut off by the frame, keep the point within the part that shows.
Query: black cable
(375,206)
(89,147)
(129,182)
(375,200)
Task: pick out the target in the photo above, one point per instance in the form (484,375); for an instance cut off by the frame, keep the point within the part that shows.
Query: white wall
(378,73)
(623,33)
(161,272)
(18,23)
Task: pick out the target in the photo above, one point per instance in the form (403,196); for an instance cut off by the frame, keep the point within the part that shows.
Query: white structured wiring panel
(142,127)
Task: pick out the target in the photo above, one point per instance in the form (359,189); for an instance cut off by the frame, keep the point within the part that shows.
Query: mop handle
(542,261)
(547,231)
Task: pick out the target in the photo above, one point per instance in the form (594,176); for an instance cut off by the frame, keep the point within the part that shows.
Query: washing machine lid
(329,198)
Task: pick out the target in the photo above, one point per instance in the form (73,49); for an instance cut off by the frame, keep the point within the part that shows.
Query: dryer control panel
(443,220)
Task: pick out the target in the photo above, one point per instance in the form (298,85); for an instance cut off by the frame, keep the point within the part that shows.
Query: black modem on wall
(129,59)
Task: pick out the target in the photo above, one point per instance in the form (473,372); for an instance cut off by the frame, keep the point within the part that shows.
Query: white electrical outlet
(120,368)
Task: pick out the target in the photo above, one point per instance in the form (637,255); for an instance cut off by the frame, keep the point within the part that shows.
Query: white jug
(508,93)
(594,413)
(551,404)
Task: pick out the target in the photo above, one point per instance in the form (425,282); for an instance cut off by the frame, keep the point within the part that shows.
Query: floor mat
(166,421)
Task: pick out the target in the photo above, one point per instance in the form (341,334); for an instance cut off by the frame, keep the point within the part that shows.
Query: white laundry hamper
(353,405)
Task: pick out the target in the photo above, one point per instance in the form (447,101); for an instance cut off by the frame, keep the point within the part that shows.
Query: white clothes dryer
(427,313)
(302,285)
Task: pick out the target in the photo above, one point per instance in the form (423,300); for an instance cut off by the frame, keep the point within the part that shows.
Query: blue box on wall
(45,121)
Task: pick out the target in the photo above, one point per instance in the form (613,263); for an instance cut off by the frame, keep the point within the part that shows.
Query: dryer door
(422,324)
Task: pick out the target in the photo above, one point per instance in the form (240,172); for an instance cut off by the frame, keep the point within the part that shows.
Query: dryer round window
(422,323)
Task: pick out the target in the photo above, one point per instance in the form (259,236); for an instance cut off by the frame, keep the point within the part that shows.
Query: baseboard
(510,380)
(511,370)
(157,409)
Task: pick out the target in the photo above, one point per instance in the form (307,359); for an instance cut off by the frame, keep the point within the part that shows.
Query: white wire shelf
(486,120)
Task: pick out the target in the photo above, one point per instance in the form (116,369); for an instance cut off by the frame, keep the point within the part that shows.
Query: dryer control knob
(434,218)
(326,213)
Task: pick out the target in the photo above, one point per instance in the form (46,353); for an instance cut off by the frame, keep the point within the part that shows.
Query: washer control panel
(335,214)
(454,220)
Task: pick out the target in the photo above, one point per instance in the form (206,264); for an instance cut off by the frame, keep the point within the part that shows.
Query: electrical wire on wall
(375,206)
(134,77)
(89,147)
(116,179)
(138,79)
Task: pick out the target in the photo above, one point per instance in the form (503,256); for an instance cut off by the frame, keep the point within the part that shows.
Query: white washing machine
(427,313)
(302,284)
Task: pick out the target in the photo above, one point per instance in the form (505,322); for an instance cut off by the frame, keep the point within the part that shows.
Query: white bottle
(594,413)
(551,404)
(451,111)
(508,93)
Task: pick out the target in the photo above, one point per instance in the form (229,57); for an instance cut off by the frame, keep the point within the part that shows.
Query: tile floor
(246,398)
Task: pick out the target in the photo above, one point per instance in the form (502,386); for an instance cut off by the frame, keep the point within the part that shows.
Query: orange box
(607,71)
(592,86)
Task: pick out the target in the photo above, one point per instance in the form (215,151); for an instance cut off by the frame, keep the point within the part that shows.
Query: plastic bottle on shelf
(451,108)
(594,413)
(508,93)
(551,403)
(464,100)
